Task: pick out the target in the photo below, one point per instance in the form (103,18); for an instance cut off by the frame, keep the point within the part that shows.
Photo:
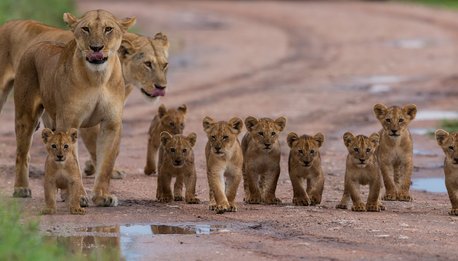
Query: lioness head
(59,144)
(395,119)
(449,144)
(305,149)
(98,35)
(361,148)
(145,63)
(265,131)
(178,148)
(222,135)
(172,120)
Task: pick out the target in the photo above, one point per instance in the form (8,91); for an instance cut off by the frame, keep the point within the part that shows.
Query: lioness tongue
(95,56)
(158,92)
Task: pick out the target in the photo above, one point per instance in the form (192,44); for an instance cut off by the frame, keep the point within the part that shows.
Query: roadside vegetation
(449,125)
(438,3)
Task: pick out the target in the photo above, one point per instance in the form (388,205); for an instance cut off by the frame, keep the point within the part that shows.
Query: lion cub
(176,159)
(224,162)
(61,170)
(395,151)
(362,168)
(172,121)
(261,159)
(305,164)
(449,143)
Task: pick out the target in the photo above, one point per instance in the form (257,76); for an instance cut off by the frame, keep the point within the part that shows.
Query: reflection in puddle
(381,79)
(435,185)
(436,115)
(415,43)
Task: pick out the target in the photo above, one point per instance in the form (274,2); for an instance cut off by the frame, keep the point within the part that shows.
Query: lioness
(449,144)
(176,159)
(172,121)
(305,164)
(362,168)
(80,85)
(261,159)
(61,170)
(395,151)
(224,162)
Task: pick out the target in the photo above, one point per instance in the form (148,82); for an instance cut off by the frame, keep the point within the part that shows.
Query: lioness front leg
(271,180)
(151,155)
(6,85)
(233,181)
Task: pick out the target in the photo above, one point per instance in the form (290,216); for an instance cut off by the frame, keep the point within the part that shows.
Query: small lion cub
(395,152)
(449,144)
(61,170)
(176,159)
(305,164)
(172,121)
(261,159)
(362,168)
(224,162)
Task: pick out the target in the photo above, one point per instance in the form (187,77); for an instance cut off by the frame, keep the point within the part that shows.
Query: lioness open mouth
(156,93)
(96,58)
(97,61)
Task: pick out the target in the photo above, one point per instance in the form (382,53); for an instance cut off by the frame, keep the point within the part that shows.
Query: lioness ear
(410,110)
(73,134)
(183,108)
(126,48)
(380,111)
(319,137)
(70,20)
(375,139)
(441,136)
(348,138)
(192,137)
(292,137)
(162,38)
(162,111)
(165,137)
(281,123)
(46,134)
(236,125)
(250,122)
(207,123)
(126,23)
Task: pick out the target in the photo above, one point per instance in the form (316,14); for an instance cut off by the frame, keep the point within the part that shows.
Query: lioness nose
(160,87)
(96,48)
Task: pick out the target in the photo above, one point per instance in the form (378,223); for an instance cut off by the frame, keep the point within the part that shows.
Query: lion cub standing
(176,159)
(224,162)
(172,121)
(449,144)
(261,159)
(305,164)
(61,170)
(395,151)
(362,168)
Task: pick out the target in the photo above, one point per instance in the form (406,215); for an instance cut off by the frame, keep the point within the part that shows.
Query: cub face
(172,120)
(98,35)
(449,144)
(361,148)
(222,135)
(265,131)
(305,149)
(395,119)
(178,148)
(60,144)
(146,63)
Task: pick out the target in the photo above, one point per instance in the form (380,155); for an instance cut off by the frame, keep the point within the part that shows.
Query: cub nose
(160,87)
(59,157)
(394,131)
(455,160)
(178,162)
(306,163)
(96,48)
(217,149)
(362,160)
(267,145)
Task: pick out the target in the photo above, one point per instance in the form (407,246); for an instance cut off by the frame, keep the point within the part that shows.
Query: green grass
(46,11)
(438,3)
(449,125)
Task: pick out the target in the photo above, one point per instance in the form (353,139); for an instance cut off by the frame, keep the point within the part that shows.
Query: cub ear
(162,38)
(236,125)
(165,137)
(348,138)
(73,134)
(183,108)
(192,137)
(319,137)
(162,111)
(380,111)
(126,23)
(375,139)
(410,110)
(207,123)
(441,136)
(292,137)
(281,123)
(46,134)
(70,20)
(250,122)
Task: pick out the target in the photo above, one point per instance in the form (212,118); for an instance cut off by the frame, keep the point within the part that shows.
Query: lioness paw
(301,201)
(21,192)
(105,201)
(48,211)
(77,211)
(453,212)
(358,207)
(89,168)
(149,171)
(118,174)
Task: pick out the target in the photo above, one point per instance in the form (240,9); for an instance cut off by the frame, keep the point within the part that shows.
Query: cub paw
(21,192)
(358,207)
(374,207)
(165,199)
(105,201)
(77,211)
(118,174)
(404,197)
(453,212)
(84,201)
(314,201)
(232,208)
(89,168)
(220,208)
(389,197)
(341,206)
(252,200)
(193,201)
(272,201)
(149,171)
(178,198)
(301,201)
(48,211)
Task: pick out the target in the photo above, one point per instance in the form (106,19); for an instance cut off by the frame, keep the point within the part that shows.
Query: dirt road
(323,65)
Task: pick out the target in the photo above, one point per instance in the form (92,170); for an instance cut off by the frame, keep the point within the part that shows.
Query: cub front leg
(164,183)
(404,191)
(254,195)
(271,180)
(190,184)
(452,194)
(234,177)
(178,187)
(50,196)
(300,197)
(215,182)
(353,189)
(316,189)
(390,188)
(75,196)
(373,203)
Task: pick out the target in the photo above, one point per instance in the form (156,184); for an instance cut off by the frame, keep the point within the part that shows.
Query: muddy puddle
(434,185)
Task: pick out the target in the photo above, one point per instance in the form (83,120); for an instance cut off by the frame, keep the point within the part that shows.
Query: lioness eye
(184,150)
(225,137)
(388,120)
(149,65)
(172,149)
(401,120)
(356,149)
(261,133)
(85,28)
(54,146)
(108,29)
(368,150)
(65,146)
(273,133)
(166,65)
(450,147)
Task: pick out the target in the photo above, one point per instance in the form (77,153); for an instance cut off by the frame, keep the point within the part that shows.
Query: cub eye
(301,151)
(166,65)
(401,120)
(149,65)
(451,147)
(213,138)
(108,29)
(172,150)
(356,149)
(172,124)
(185,150)
(85,29)
(225,137)
(54,146)
(368,150)
(388,120)
(65,146)
(312,151)
(181,125)
(261,133)
(273,133)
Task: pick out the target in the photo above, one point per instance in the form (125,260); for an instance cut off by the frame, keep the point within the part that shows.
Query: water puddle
(381,79)
(425,153)
(436,115)
(414,43)
(379,88)
(435,185)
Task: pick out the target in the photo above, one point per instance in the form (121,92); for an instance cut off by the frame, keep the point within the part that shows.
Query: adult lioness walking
(79,84)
